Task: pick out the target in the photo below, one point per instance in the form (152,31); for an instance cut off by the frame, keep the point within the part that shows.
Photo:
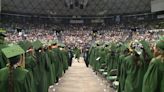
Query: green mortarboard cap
(61,44)
(146,46)
(21,44)
(44,42)
(37,44)
(106,44)
(160,43)
(124,47)
(12,51)
(28,44)
(113,46)
(25,44)
(54,42)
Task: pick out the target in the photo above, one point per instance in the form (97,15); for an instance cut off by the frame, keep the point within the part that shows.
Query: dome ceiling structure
(76,7)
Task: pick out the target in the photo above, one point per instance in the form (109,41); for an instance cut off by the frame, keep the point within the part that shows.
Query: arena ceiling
(63,7)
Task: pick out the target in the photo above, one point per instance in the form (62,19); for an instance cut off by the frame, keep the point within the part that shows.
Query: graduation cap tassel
(11,79)
(22,60)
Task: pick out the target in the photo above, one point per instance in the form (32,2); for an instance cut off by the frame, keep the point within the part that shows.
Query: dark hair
(137,61)
(12,61)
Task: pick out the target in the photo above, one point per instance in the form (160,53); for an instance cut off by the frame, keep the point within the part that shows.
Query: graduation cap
(99,43)
(136,46)
(113,46)
(12,51)
(45,44)
(54,42)
(124,47)
(160,43)
(25,44)
(146,46)
(106,44)
(37,44)
(61,45)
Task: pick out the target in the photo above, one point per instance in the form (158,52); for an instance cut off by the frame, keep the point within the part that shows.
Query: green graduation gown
(23,80)
(111,63)
(3,60)
(77,53)
(31,65)
(121,73)
(154,77)
(59,63)
(102,59)
(96,63)
(50,66)
(42,65)
(64,59)
(53,64)
(135,74)
(91,56)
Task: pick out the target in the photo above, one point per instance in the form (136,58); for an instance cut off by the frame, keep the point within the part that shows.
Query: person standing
(136,68)
(41,62)
(3,60)
(86,57)
(77,53)
(14,78)
(70,56)
(154,77)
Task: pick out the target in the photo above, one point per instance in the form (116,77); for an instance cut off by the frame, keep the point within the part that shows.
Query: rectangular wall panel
(157,5)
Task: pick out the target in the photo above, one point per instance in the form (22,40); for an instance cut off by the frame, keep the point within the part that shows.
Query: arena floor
(79,78)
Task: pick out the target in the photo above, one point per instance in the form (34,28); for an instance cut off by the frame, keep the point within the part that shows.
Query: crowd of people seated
(80,35)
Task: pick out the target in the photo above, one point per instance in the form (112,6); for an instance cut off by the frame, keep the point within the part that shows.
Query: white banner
(160,16)
(97,21)
(77,21)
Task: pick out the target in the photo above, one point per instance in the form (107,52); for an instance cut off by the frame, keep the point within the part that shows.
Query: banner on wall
(160,16)
(97,21)
(76,21)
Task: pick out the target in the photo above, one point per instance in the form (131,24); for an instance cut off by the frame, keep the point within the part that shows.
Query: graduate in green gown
(64,57)
(53,62)
(112,58)
(30,60)
(91,55)
(49,66)
(57,60)
(77,53)
(14,78)
(70,56)
(154,77)
(96,57)
(135,68)
(86,57)
(3,60)
(41,61)
(121,67)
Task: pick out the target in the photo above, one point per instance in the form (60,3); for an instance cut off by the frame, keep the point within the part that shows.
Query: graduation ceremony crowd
(33,61)
(31,66)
